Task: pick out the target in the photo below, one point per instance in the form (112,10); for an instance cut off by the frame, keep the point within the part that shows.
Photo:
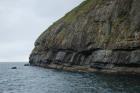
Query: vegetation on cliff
(97,33)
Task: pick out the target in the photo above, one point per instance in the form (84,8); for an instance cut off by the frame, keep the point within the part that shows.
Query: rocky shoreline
(107,61)
(96,36)
(115,70)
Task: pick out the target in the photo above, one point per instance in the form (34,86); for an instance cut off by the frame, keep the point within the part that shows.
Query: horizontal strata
(98,34)
(89,60)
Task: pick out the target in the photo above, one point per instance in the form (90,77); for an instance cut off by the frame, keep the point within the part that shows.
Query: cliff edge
(98,35)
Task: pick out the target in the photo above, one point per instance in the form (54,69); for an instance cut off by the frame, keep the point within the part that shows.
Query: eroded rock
(102,34)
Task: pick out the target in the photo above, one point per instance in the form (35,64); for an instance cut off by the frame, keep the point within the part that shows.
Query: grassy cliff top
(82,9)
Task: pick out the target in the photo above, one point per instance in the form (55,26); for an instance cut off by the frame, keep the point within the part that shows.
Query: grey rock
(14,68)
(98,33)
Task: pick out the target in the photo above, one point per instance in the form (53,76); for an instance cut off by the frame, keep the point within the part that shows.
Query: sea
(29,79)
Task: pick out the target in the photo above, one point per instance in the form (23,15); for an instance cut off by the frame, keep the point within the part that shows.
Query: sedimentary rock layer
(98,34)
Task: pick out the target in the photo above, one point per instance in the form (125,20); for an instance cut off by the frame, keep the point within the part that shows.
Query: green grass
(81,9)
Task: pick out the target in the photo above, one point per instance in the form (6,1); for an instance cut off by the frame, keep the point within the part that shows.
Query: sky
(22,21)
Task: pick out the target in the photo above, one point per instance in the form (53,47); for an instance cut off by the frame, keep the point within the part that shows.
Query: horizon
(22,22)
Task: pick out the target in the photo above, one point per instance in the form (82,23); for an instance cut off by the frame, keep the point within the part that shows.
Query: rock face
(98,34)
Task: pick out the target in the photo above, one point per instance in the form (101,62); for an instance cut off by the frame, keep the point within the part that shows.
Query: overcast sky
(22,21)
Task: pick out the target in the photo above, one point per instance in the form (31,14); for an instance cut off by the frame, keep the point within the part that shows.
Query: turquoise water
(39,80)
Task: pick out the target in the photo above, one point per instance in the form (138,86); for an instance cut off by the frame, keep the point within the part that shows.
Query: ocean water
(27,79)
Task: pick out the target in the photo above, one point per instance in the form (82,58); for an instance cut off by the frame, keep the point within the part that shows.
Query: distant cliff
(98,35)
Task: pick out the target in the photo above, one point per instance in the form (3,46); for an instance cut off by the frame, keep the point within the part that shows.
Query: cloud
(22,21)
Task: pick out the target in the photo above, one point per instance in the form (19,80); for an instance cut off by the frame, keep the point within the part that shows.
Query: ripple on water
(40,80)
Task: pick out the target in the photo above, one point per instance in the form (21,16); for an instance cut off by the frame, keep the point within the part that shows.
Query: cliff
(98,35)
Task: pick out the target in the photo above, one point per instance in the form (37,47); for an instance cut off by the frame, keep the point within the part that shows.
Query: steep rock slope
(98,34)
